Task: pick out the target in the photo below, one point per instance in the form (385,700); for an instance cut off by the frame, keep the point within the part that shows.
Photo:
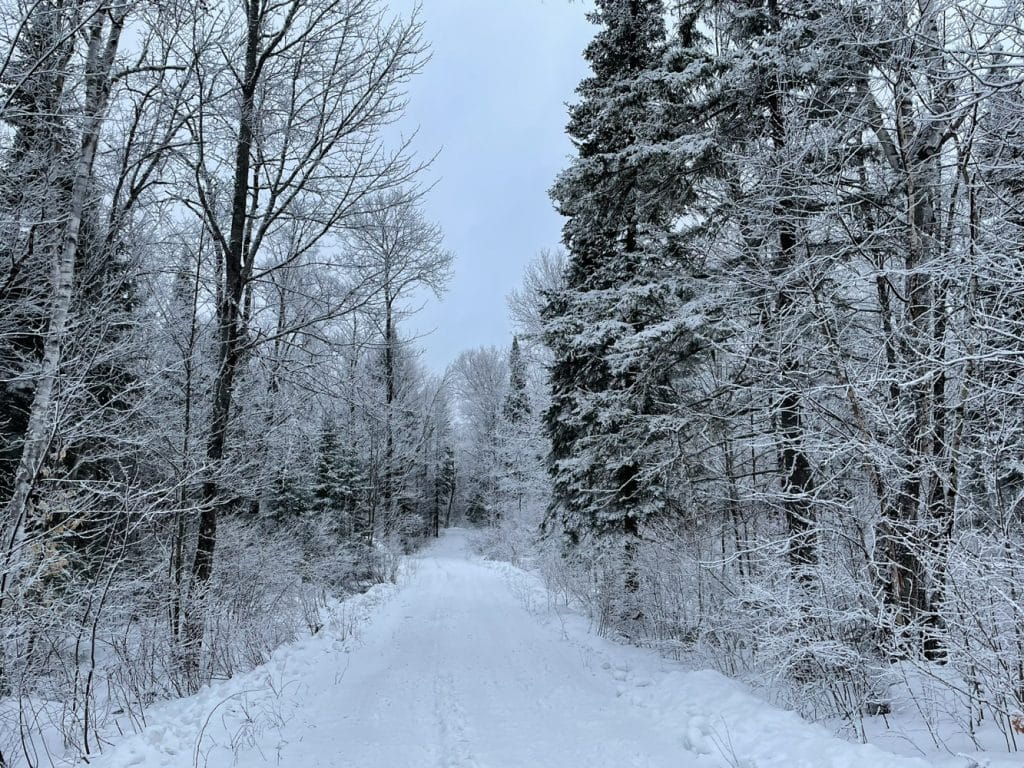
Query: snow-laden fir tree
(517,449)
(516,408)
(618,327)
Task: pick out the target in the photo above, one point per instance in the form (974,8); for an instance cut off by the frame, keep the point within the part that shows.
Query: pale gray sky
(492,99)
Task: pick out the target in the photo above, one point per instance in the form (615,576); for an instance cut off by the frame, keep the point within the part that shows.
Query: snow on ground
(462,667)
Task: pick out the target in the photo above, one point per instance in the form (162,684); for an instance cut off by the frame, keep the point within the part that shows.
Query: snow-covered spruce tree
(522,479)
(514,435)
(599,486)
(516,408)
(334,482)
(622,328)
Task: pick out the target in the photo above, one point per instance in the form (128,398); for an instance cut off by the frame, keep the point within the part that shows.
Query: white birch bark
(104,34)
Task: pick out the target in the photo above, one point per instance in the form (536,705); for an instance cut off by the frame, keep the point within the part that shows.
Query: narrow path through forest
(454,671)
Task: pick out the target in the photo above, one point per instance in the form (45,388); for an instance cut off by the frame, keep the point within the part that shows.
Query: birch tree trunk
(104,33)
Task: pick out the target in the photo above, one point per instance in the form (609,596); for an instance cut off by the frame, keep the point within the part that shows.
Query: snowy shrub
(384,561)
(96,652)
(254,604)
(984,636)
(514,538)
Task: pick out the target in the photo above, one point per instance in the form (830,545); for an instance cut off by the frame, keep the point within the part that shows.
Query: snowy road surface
(456,673)
(453,671)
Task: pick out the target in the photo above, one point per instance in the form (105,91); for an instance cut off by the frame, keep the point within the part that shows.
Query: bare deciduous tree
(399,251)
(287,142)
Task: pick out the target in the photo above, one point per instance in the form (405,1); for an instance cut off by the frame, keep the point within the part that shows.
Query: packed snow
(463,666)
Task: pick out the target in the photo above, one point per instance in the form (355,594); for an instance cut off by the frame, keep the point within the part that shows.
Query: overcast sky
(492,100)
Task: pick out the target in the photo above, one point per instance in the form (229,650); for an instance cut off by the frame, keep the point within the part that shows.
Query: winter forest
(761,413)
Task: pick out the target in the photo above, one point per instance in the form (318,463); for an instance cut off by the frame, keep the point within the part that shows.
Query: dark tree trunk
(797,474)
(388,473)
(230,335)
(917,527)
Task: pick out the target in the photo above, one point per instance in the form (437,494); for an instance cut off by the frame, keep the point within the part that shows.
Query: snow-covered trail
(453,671)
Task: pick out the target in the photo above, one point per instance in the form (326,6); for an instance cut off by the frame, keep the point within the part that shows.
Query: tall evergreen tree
(629,321)
(516,408)
(444,491)
(332,491)
(515,449)
(602,324)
